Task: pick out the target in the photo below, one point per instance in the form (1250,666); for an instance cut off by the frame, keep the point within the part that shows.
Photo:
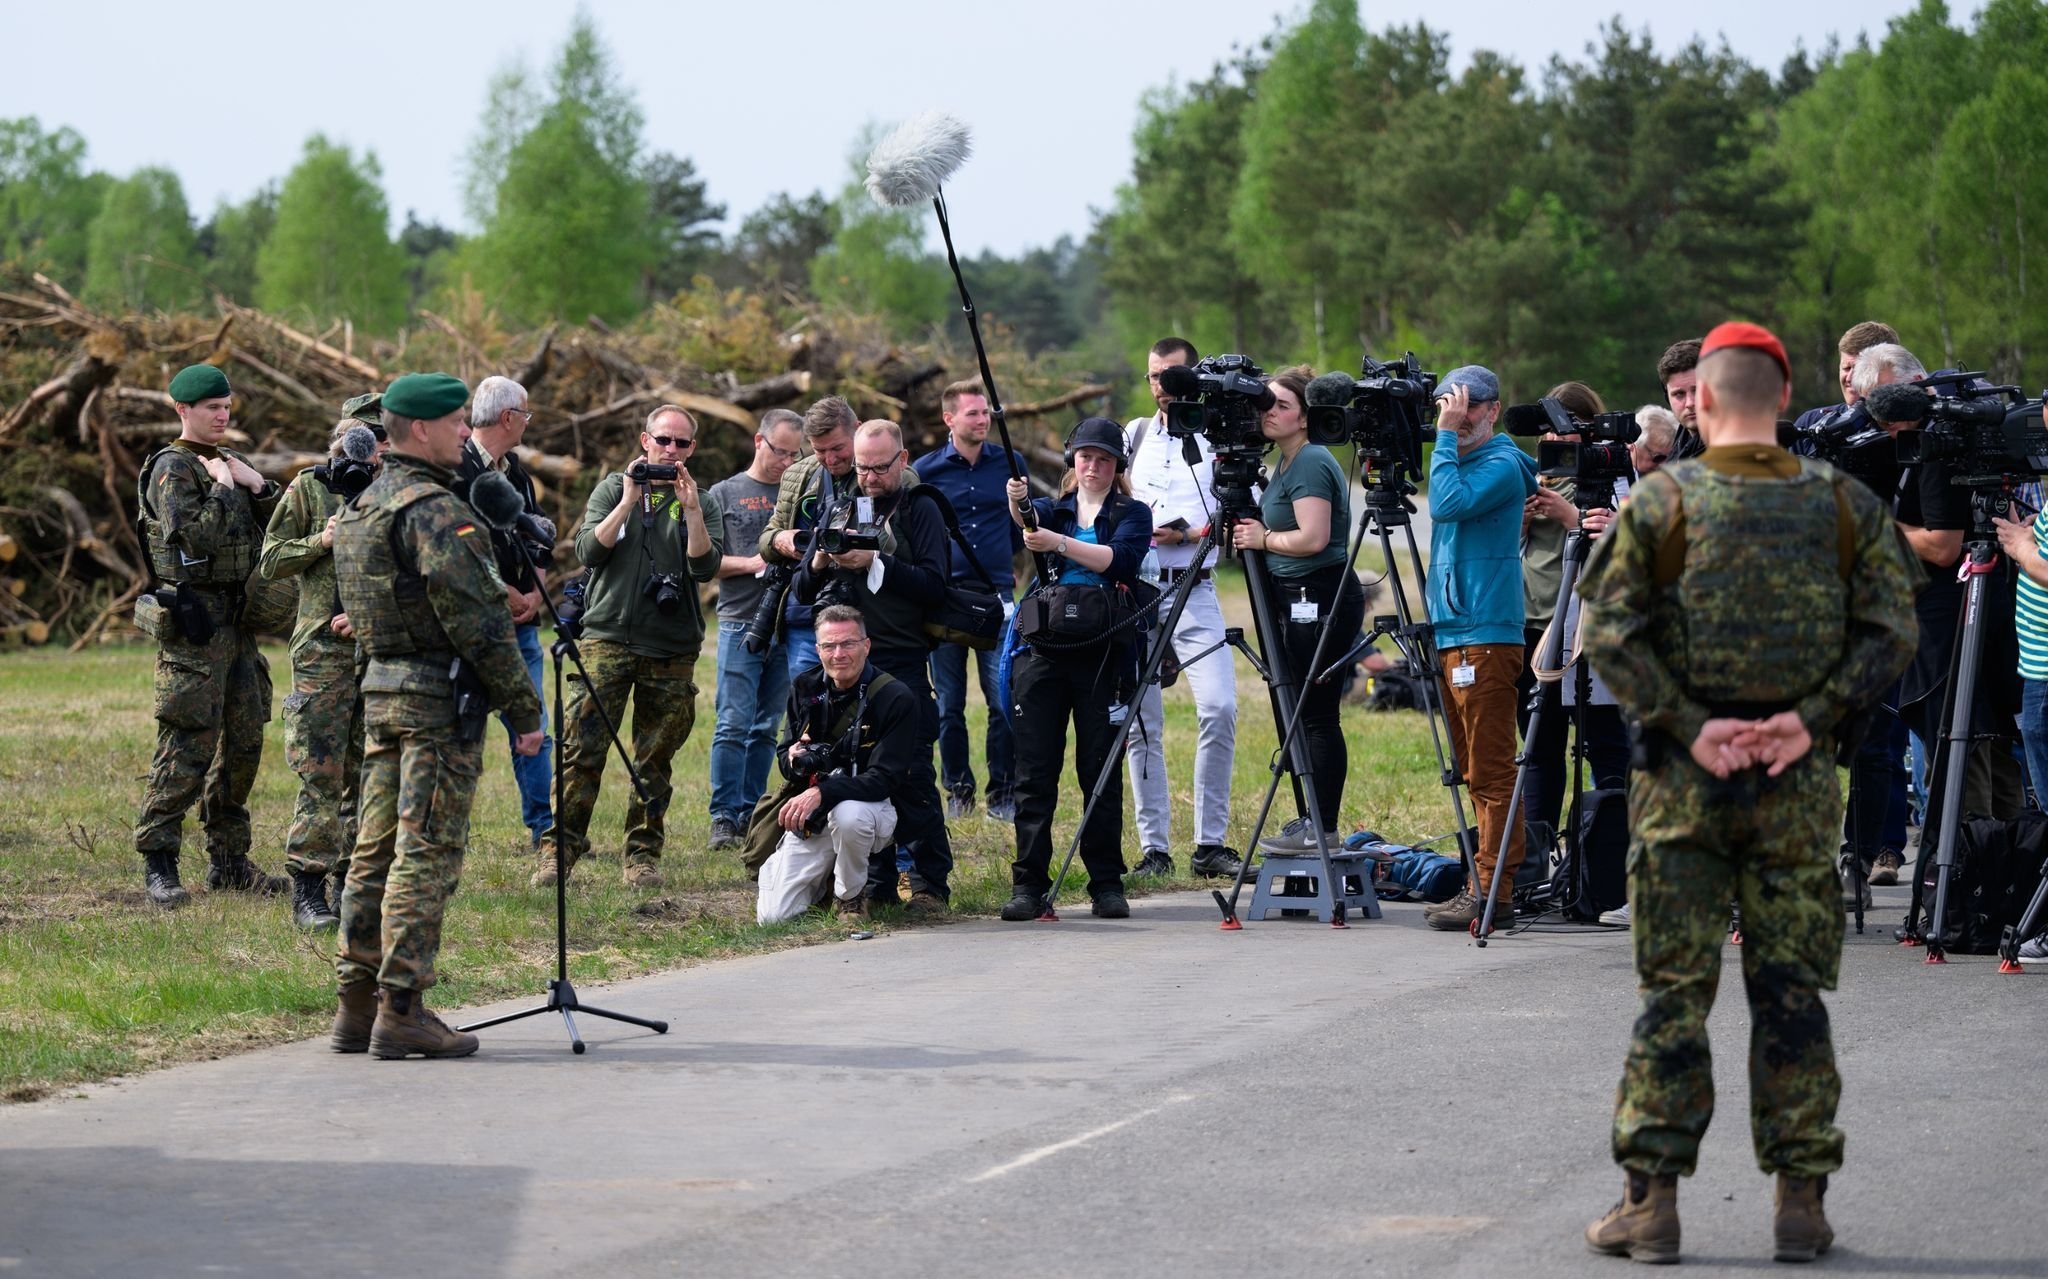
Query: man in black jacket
(895,587)
(858,735)
(498,415)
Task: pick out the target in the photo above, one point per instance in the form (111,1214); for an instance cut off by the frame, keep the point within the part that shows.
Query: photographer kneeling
(1306,510)
(858,732)
(1098,535)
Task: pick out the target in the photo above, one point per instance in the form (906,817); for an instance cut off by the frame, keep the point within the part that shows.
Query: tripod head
(1237,470)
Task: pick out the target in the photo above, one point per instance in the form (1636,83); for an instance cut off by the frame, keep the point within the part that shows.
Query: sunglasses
(672,441)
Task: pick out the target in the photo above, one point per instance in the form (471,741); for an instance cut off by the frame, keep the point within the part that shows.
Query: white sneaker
(1619,916)
(2035,950)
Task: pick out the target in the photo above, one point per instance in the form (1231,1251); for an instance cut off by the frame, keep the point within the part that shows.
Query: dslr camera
(1220,398)
(1383,412)
(1593,458)
(667,590)
(644,471)
(1989,435)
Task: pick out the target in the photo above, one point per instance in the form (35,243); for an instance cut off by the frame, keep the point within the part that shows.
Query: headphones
(1097,433)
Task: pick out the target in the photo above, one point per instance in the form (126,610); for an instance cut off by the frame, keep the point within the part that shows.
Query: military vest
(1753,598)
(232,561)
(380,585)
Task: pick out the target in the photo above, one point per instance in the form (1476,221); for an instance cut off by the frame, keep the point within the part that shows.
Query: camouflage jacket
(200,530)
(292,548)
(1748,578)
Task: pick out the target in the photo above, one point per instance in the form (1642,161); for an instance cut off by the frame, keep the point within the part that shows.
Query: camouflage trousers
(664,711)
(1766,844)
(417,784)
(323,743)
(212,701)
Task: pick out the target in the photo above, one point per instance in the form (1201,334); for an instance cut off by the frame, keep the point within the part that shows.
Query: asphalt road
(1147,1097)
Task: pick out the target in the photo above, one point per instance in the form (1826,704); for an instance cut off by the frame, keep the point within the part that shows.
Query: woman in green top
(1305,519)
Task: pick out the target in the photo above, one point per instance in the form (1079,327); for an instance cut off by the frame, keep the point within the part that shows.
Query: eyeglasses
(525,415)
(787,455)
(672,442)
(840,646)
(879,468)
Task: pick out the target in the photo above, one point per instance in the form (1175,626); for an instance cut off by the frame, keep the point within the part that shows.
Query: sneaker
(1297,840)
(1002,810)
(959,805)
(643,875)
(1111,905)
(1154,862)
(1618,917)
(724,834)
(2035,950)
(1023,904)
(1459,913)
(1214,861)
(1885,870)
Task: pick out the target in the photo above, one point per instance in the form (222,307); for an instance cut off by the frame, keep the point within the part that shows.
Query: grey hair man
(1881,365)
(1659,438)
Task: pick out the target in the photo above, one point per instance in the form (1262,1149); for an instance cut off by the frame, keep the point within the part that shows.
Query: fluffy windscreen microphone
(910,165)
(1331,388)
(1180,381)
(1899,402)
(496,500)
(359,444)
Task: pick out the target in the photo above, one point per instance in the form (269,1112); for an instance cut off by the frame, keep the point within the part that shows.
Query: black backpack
(1997,868)
(1598,879)
(1396,688)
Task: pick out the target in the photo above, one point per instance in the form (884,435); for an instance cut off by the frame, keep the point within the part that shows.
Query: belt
(1175,574)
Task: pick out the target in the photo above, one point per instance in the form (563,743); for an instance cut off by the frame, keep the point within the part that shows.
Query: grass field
(96,982)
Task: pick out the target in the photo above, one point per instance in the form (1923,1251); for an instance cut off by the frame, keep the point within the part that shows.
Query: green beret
(364,408)
(196,382)
(425,396)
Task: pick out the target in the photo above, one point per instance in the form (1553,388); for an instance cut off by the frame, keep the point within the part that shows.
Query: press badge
(1302,611)
(1462,675)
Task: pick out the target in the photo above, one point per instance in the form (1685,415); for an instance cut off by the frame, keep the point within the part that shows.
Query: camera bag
(1997,868)
(1599,875)
(968,616)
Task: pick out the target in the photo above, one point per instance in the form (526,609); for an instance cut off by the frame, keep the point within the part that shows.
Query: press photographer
(1082,629)
(1304,515)
(858,736)
(808,490)
(887,556)
(645,541)
(323,714)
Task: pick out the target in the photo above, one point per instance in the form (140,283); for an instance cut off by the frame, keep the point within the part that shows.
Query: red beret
(1741,333)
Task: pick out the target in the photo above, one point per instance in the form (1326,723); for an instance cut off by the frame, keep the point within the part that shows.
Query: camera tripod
(562,997)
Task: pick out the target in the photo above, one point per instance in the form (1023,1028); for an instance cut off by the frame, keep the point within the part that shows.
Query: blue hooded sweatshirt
(1475,541)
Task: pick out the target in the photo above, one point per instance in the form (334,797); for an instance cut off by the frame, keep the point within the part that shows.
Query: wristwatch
(1063,547)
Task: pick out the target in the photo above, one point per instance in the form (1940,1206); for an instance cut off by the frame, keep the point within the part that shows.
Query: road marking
(1030,1157)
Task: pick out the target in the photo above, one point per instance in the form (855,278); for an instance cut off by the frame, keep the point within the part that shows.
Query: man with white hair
(498,416)
(1658,441)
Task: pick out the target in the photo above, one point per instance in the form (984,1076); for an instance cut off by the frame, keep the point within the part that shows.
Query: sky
(764,96)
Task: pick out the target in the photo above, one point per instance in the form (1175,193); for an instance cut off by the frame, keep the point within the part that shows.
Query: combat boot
(1800,1223)
(1644,1225)
(354,1016)
(544,870)
(241,875)
(309,902)
(160,880)
(404,1027)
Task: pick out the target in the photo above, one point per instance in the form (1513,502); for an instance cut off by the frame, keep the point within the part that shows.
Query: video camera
(1220,398)
(849,525)
(1383,412)
(644,471)
(1594,460)
(1848,439)
(1990,435)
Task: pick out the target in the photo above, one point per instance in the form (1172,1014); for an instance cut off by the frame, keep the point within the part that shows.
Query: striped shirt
(2033,614)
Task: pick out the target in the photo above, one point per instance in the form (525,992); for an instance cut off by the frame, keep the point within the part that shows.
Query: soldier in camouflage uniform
(414,568)
(1744,606)
(323,715)
(203,508)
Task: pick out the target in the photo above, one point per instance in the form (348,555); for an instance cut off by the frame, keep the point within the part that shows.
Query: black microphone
(1331,388)
(359,444)
(495,499)
(1899,402)
(1180,381)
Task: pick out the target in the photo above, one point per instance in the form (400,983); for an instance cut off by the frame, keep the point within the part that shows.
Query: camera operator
(1658,441)
(895,586)
(1305,512)
(1547,516)
(1934,514)
(323,715)
(644,538)
(971,473)
(1478,483)
(1678,370)
(1854,341)
(1178,495)
(800,501)
(498,415)
(752,685)
(1098,534)
(857,734)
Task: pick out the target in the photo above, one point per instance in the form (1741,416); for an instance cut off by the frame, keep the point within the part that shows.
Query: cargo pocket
(444,819)
(186,696)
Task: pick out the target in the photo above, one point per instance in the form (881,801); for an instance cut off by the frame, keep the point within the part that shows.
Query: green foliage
(776,242)
(141,253)
(678,209)
(47,200)
(330,254)
(430,250)
(231,240)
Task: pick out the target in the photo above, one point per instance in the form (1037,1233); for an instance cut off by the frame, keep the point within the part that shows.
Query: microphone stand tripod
(562,997)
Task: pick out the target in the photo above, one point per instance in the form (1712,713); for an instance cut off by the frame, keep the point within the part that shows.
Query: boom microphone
(910,165)
(1330,388)
(1899,402)
(1179,381)
(495,499)
(359,443)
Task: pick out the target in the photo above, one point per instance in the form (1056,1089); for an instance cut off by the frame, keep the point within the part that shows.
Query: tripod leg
(1960,726)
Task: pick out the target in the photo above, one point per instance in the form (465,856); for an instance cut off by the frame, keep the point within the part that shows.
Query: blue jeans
(800,648)
(752,689)
(534,773)
(2034,733)
(949,681)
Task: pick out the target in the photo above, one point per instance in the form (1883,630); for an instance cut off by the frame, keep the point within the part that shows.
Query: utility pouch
(193,618)
(1648,748)
(472,702)
(152,617)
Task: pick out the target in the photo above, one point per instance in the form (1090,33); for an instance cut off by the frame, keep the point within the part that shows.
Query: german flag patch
(464,530)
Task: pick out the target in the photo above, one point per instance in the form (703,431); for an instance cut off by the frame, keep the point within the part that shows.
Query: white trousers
(790,877)
(1213,681)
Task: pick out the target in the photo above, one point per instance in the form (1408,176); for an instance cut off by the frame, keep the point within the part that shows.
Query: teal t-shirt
(2033,614)
(1312,473)
(1072,573)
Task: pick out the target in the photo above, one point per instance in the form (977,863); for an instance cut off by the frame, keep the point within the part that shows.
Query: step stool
(1296,883)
